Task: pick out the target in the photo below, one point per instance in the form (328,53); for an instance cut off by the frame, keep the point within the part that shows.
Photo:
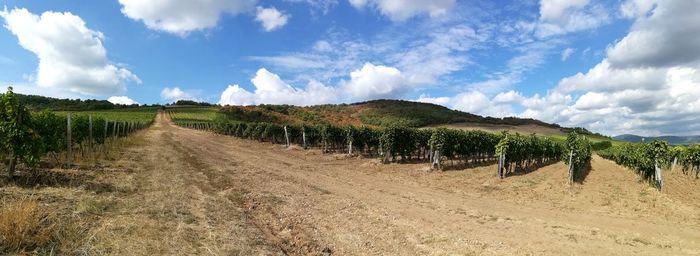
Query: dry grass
(24,226)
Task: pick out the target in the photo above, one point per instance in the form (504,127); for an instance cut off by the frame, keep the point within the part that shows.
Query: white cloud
(559,9)
(122,100)
(474,102)
(436,100)
(271,89)
(666,38)
(531,56)
(564,16)
(372,82)
(182,16)
(636,8)
(71,56)
(323,46)
(323,5)
(509,97)
(271,18)
(401,10)
(566,53)
(603,77)
(235,95)
(478,103)
(175,94)
(648,84)
(424,57)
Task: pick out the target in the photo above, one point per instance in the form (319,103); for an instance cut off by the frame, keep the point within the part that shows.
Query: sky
(614,67)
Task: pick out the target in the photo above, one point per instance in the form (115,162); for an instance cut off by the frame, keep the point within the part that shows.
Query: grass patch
(94,206)
(24,226)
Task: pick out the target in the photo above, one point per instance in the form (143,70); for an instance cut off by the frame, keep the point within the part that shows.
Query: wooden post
(69,152)
(657,176)
(286,135)
(104,137)
(430,156)
(350,148)
(499,171)
(114,129)
(105,132)
(436,160)
(673,166)
(571,168)
(303,136)
(90,141)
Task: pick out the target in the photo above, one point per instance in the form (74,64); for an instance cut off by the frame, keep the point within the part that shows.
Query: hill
(388,112)
(677,140)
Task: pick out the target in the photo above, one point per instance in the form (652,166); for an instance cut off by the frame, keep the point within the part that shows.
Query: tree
(16,135)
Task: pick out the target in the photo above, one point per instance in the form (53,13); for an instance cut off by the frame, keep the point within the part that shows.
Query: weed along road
(196,192)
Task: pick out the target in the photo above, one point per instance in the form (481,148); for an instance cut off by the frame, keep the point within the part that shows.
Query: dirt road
(193,192)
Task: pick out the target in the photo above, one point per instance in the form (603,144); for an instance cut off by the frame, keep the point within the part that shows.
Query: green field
(193,113)
(141,114)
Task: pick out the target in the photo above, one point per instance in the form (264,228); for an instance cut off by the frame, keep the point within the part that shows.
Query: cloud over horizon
(71,56)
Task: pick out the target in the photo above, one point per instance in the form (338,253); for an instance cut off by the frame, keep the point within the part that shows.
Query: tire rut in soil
(289,238)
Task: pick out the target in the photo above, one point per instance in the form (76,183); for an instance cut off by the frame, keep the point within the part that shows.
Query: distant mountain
(677,140)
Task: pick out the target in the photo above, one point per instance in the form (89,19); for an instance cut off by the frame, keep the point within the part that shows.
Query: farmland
(169,189)
(180,191)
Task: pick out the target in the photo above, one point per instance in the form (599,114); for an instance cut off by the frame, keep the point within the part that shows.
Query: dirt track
(193,192)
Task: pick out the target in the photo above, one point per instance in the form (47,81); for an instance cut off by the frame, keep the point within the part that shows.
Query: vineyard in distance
(384,177)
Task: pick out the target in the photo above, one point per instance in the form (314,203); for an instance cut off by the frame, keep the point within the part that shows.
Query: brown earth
(179,191)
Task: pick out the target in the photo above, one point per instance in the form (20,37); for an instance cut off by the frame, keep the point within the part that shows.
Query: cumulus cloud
(372,82)
(474,102)
(235,95)
(175,94)
(71,56)
(271,18)
(401,10)
(121,100)
(665,38)
(642,86)
(182,16)
(271,89)
(509,97)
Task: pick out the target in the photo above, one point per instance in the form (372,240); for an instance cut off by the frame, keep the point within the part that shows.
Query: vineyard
(649,159)
(399,143)
(27,137)
(189,188)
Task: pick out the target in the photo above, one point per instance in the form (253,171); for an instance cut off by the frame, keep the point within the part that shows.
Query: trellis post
(657,176)
(499,172)
(69,145)
(90,141)
(303,136)
(571,168)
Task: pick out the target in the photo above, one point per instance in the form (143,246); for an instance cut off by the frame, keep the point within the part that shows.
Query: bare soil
(176,191)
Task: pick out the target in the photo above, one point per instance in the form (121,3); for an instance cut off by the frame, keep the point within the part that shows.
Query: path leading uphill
(194,192)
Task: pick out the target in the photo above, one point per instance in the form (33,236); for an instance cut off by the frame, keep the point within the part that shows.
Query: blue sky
(618,66)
